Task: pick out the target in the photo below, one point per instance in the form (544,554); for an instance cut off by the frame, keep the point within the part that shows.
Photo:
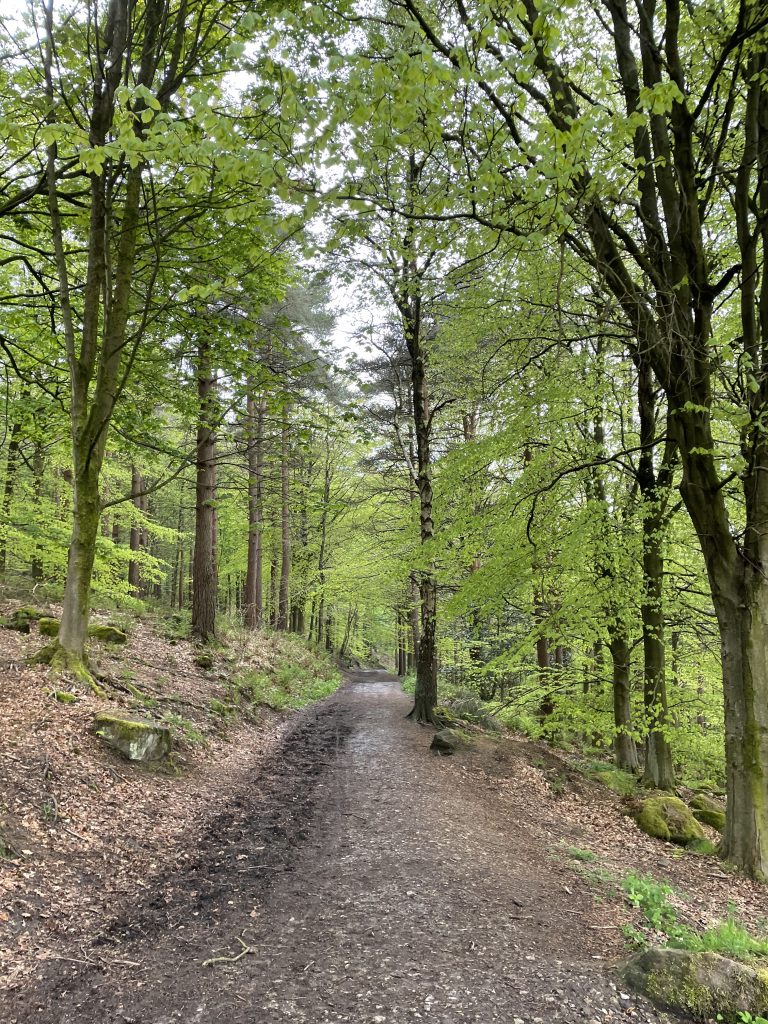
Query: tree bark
(204,568)
(136,540)
(625,749)
(284,606)
(11,472)
(654,492)
(254,599)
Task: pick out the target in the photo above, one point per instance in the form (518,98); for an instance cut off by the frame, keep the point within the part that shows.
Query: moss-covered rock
(709,811)
(64,696)
(135,738)
(204,660)
(21,620)
(446,741)
(48,626)
(107,634)
(704,985)
(667,817)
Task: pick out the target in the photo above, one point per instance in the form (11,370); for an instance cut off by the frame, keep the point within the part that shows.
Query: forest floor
(347,873)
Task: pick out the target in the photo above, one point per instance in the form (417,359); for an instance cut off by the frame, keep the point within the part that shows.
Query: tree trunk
(425,697)
(413,618)
(285,525)
(625,749)
(11,472)
(204,569)
(659,771)
(654,490)
(254,608)
(136,535)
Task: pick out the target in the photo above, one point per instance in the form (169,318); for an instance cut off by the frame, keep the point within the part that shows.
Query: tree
(650,242)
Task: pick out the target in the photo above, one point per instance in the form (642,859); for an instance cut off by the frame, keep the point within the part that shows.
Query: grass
(184,729)
(585,856)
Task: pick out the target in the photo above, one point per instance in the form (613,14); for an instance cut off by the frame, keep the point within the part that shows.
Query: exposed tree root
(68,663)
(425,716)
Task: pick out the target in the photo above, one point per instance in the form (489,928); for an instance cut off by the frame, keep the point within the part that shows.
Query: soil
(356,877)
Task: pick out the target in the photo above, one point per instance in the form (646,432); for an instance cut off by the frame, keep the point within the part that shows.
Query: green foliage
(290,687)
(729,938)
(185,731)
(620,782)
(585,856)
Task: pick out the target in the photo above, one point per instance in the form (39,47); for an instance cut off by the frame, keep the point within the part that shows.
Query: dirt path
(371,882)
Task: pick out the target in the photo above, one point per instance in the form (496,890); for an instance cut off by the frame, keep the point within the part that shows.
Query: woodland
(432,331)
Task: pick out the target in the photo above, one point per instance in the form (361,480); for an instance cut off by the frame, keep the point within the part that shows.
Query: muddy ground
(363,880)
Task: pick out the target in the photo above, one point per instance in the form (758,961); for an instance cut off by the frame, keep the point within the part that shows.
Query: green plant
(728,938)
(581,855)
(652,897)
(184,728)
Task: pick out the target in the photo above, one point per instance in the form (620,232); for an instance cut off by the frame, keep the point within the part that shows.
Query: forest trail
(371,882)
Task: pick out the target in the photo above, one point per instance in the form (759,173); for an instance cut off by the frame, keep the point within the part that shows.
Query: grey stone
(135,738)
(447,741)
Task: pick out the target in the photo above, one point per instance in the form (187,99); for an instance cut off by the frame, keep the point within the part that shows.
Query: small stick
(230,959)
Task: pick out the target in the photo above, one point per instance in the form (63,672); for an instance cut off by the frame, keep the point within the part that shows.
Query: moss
(204,660)
(48,626)
(702,847)
(67,663)
(64,696)
(617,781)
(667,817)
(705,985)
(107,634)
(709,811)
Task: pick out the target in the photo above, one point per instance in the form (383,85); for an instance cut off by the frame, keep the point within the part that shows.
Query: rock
(107,634)
(204,660)
(48,627)
(447,741)
(21,619)
(709,811)
(135,738)
(667,817)
(705,985)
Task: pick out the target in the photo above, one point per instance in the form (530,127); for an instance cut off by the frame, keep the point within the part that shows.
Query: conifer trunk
(254,600)
(204,569)
(283,610)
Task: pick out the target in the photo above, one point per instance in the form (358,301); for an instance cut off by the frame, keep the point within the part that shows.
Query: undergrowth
(729,937)
(301,677)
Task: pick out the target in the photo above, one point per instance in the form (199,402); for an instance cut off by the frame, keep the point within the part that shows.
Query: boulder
(48,626)
(667,817)
(447,741)
(704,985)
(21,619)
(135,738)
(709,811)
(107,634)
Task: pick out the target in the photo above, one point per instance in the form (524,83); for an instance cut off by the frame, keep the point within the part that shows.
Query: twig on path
(230,959)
